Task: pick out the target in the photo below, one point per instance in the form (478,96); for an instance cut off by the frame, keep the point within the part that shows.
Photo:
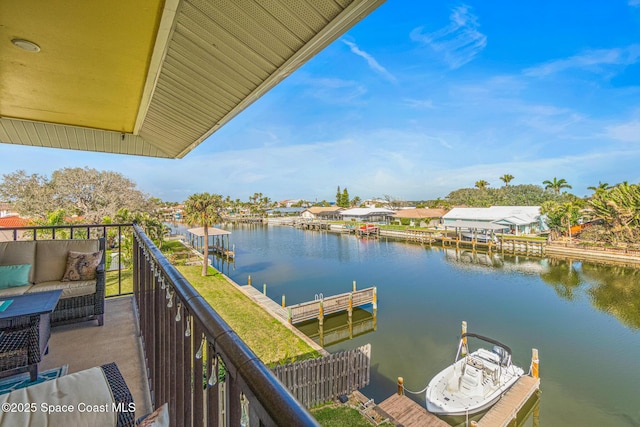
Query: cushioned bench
(82,298)
(93,397)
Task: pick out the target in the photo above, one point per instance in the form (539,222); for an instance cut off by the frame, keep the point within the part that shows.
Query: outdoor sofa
(48,264)
(96,397)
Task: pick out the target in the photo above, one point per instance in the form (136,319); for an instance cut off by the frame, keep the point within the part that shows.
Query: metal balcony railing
(195,362)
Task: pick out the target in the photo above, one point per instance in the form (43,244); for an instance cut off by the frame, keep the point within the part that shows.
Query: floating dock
(322,306)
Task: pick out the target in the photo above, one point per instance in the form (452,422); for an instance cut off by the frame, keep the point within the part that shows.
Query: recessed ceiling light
(26,45)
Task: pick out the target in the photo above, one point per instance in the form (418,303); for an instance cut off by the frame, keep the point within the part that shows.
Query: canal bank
(585,253)
(575,250)
(578,314)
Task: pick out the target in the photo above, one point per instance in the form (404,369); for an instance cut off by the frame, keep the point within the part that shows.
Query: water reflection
(610,288)
(615,290)
(563,277)
(340,327)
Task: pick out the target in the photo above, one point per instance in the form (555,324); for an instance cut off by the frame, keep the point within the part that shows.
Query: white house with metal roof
(515,219)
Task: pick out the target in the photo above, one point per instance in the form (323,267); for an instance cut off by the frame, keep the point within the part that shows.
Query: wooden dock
(270,305)
(503,412)
(321,307)
(406,412)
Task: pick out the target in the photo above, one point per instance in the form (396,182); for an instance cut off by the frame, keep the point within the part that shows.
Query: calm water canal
(584,318)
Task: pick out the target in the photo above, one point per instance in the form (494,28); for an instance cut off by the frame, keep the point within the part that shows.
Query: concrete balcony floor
(85,345)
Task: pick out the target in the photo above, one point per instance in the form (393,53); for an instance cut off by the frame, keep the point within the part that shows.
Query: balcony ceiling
(151,77)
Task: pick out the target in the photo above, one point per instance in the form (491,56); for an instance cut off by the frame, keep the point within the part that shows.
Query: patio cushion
(86,392)
(81,265)
(69,289)
(14,275)
(22,252)
(10,292)
(51,257)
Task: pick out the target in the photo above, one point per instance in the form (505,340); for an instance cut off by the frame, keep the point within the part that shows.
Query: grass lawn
(337,415)
(341,416)
(111,282)
(267,337)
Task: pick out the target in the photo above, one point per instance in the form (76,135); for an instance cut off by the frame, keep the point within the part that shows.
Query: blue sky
(417,100)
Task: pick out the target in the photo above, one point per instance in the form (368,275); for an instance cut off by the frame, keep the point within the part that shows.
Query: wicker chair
(121,395)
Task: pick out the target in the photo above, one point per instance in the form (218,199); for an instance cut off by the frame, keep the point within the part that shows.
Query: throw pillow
(14,275)
(81,266)
(158,418)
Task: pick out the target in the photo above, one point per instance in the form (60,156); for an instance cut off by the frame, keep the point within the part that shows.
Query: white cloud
(593,60)
(333,90)
(626,132)
(459,42)
(373,64)
(418,103)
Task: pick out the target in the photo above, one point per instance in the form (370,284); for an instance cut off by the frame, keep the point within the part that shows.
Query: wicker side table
(26,327)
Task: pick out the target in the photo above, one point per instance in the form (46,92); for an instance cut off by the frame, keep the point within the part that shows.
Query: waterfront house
(374,203)
(513,219)
(327,213)
(156,78)
(290,211)
(367,214)
(420,217)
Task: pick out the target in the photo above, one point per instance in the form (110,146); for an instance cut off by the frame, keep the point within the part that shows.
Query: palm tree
(482,184)
(556,185)
(602,186)
(506,178)
(203,209)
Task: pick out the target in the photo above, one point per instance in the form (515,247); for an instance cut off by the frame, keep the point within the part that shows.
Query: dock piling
(400,386)
(464,340)
(535,363)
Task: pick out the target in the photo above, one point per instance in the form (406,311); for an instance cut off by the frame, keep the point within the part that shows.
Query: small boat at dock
(475,381)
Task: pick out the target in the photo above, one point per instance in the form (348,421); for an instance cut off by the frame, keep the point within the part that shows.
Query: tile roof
(13,221)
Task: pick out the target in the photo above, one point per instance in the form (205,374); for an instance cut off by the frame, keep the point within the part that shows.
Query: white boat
(475,381)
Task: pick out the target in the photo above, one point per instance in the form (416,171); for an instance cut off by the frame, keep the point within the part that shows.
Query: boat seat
(475,362)
(471,378)
(489,356)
